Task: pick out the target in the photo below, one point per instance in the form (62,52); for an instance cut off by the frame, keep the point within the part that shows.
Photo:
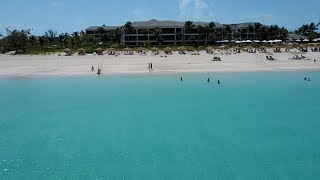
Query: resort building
(175,33)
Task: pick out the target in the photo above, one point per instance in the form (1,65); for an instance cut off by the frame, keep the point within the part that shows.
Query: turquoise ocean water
(252,126)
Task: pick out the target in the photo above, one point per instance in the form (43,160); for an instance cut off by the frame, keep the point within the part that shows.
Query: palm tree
(75,38)
(250,29)
(257,29)
(50,35)
(32,40)
(41,41)
(210,31)
(201,33)
(189,25)
(157,33)
(102,32)
(227,31)
(128,27)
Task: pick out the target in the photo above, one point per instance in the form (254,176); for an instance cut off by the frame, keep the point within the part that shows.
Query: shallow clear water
(252,126)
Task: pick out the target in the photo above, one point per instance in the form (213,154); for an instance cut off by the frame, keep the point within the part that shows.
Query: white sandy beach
(80,65)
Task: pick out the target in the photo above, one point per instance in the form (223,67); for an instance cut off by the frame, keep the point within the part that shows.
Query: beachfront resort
(159,90)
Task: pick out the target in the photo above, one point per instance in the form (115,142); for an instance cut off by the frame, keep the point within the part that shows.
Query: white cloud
(56,4)
(138,14)
(199,10)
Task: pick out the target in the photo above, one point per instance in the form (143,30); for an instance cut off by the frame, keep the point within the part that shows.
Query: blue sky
(76,15)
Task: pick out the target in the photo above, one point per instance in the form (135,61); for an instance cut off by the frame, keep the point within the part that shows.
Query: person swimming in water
(181,79)
(305,78)
(99,72)
(219,82)
(309,79)
(208,80)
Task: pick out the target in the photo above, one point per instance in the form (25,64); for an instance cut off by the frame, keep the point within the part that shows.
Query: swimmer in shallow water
(208,80)
(219,82)
(181,79)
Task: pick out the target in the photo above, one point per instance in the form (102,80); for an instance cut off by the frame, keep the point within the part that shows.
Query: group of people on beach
(218,82)
(150,66)
(98,72)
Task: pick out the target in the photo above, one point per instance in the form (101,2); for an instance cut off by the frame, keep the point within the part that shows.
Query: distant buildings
(176,33)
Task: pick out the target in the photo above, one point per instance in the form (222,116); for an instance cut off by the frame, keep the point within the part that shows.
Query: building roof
(155,23)
(242,25)
(296,36)
(106,28)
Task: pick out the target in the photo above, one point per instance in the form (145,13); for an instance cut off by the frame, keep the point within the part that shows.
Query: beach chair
(216,58)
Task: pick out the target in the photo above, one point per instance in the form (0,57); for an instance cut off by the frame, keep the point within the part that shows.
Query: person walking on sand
(92,68)
(151,66)
(314,61)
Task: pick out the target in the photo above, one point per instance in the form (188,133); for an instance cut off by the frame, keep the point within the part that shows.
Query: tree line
(24,41)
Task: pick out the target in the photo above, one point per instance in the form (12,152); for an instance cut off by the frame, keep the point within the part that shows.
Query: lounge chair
(216,58)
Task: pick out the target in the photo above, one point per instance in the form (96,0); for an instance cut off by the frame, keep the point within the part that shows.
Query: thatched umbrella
(249,47)
(67,50)
(111,49)
(210,48)
(99,50)
(140,49)
(81,50)
(167,50)
(154,49)
(127,49)
(182,48)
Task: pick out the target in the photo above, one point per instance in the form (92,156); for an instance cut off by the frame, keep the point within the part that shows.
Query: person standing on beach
(314,61)
(151,66)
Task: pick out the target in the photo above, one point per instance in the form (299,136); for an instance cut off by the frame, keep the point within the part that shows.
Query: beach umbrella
(238,42)
(127,49)
(99,50)
(298,40)
(81,50)
(316,40)
(249,41)
(154,49)
(182,48)
(167,49)
(210,48)
(111,49)
(306,40)
(257,41)
(67,50)
(296,52)
(140,49)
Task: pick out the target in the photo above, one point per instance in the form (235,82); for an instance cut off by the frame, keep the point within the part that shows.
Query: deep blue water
(252,126)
